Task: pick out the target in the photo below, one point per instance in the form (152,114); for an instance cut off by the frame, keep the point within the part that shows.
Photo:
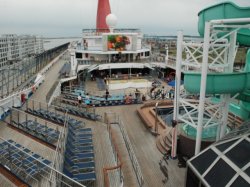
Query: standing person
(107,94)
(155,95)
(162,93)
(152,91)
(87,99)
(137,94)
(79,98)
(152,94)
(171,93)
(143,97)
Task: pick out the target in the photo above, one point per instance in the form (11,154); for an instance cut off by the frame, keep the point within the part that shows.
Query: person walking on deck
(87,99)
(162,93)
(107,94)
(137,94)
(79,98)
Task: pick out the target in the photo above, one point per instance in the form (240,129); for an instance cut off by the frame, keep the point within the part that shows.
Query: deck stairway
(164,141)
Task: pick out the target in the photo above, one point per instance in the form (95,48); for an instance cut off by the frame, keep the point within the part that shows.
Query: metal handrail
(57,173)
(119,163)
(132,156)
(129,147)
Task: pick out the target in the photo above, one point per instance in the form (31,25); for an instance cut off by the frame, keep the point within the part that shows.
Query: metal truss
(215,54)
(212,113)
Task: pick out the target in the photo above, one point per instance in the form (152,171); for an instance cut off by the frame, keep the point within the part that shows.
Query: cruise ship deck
(100,112)
(143,142)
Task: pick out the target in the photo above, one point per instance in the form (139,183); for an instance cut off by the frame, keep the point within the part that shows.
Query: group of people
(155,93)
(161,93)
(86,100)
(127,98)
(170,77)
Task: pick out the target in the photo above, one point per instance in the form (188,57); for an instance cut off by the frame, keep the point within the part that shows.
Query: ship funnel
(102,12)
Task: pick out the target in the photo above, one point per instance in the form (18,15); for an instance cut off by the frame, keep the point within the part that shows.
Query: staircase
(164,141)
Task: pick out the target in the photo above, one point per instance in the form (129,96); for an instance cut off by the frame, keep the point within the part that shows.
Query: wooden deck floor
(145,149)
(127,168)
(51,77)
(144,144)
(5,182)
(142,141)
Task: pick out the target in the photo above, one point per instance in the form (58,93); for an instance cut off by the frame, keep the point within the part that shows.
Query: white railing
(43,179)
(113,118)
(99,32)
(132,156)
(15,98)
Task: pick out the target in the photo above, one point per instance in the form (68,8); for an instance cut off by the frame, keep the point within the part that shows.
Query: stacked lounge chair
(22,162)
(79,155)
(99,101)
(81,113)
(54,117)
(38,130)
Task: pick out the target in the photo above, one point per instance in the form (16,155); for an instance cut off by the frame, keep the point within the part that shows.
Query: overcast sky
(55,18)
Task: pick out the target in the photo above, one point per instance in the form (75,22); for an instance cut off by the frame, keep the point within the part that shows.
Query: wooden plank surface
(50,79)
(4,182)
(145,149)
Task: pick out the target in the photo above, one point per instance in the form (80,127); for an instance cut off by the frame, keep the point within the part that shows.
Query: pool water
(125,81)
(208,133)
(130,83)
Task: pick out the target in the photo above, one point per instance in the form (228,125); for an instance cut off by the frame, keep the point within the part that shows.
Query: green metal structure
(226,10)
(225,83)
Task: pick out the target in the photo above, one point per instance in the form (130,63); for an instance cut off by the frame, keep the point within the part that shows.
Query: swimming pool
(130,83)
(208,133)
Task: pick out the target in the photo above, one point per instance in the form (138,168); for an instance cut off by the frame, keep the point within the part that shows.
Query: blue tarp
(172,83)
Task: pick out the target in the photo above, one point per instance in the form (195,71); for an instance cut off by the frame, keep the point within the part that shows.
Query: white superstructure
(97,46)
(14,47)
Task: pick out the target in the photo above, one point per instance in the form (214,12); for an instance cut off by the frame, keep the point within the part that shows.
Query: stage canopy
(121,66)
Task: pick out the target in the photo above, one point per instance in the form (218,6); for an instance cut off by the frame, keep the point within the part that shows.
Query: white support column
(177,91)
(206,47)
(226,97)
(218,131)
(232,52)
(73,62)
(166,57)
(226,100)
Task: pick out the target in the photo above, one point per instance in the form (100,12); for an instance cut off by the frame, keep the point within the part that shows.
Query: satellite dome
(111,20)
